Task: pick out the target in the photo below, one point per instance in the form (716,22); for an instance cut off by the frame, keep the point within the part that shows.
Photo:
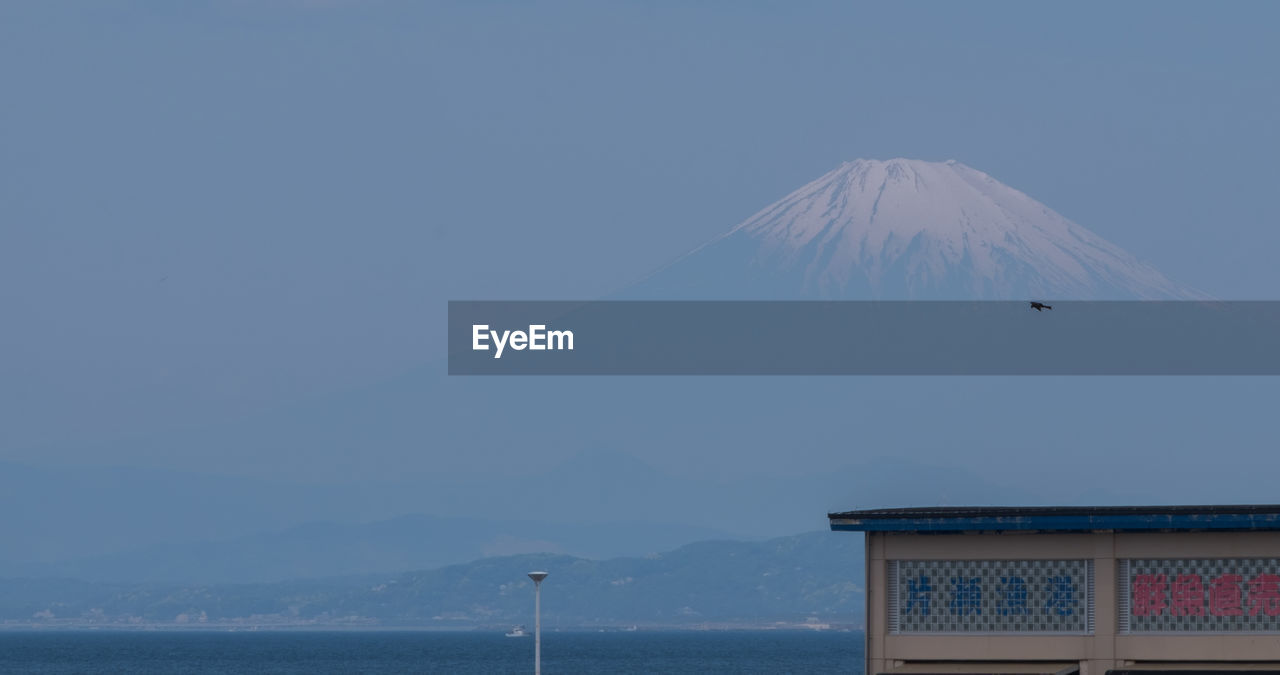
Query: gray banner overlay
(863,338)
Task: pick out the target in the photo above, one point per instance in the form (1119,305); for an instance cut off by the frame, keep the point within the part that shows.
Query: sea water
(279,652)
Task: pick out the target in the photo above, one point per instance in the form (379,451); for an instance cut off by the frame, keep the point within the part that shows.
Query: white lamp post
(537,620)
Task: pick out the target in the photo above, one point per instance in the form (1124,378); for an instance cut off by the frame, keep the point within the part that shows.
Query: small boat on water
(518,631)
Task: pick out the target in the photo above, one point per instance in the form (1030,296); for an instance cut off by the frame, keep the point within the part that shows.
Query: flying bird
(1038,306)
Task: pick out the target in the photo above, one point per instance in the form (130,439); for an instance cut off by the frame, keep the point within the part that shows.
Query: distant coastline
(234,627)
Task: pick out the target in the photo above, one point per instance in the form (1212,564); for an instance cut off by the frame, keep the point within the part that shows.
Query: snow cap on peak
(938,229)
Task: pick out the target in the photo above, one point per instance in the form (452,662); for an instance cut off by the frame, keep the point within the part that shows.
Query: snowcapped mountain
(909,229)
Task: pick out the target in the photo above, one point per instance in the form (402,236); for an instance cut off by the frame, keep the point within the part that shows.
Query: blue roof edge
(1071,523)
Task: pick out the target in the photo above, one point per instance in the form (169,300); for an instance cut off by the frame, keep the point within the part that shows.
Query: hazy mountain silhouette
(583,451)
(786,579)
(317,550)
(596,505)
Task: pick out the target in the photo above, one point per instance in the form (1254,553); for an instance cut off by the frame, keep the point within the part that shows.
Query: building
(1062,590)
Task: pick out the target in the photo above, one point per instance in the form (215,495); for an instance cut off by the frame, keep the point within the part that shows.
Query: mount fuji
(909,229)
(661,459)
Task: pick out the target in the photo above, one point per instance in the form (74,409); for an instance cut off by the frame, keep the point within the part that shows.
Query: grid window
(991,596)
(1224,595)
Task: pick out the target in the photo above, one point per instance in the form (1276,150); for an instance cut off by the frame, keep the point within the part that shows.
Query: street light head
(537,620)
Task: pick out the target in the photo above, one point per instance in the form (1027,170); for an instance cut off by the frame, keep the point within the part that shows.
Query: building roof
(939,519)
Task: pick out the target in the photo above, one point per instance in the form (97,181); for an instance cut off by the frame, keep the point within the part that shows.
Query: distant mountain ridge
(790,579)
(597,505)
(909,229)
(322,549)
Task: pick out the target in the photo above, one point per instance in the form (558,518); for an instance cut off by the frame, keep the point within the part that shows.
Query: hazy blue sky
(212,209)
